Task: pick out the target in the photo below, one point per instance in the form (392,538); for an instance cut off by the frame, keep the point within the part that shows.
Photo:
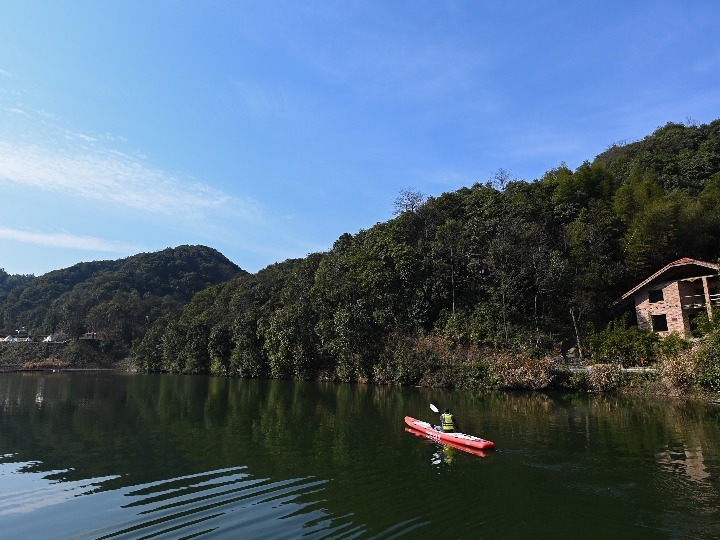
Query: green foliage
(576,380)
(671,346)
(478,376)
(681,156)
(247,363)
(405,362)
(148,353)
(483,326)
(703,325)
(220,347)
(455,330)
(622,345)
(195,354)
(708,363)
(586,184)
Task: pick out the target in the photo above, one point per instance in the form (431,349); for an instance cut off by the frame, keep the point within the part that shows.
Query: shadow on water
(125,456)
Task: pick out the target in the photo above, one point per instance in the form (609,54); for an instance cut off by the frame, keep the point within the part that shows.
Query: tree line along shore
(503,284)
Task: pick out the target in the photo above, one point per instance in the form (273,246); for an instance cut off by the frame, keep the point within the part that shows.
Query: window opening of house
(697,321)
(655,296)
(659,323)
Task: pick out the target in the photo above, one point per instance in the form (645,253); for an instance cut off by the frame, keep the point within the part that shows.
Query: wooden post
(706,291)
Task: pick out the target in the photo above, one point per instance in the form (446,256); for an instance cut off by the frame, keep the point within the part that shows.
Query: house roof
(680,269)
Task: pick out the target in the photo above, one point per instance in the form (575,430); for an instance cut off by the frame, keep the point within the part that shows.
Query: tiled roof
(679,269)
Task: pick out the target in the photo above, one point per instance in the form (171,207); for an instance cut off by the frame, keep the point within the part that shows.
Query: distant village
(21,335)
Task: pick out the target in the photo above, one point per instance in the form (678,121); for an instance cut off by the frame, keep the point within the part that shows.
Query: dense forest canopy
(113,299)
(504,264)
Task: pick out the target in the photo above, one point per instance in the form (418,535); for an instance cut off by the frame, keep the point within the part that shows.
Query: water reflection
(446,449)
(445,455)
(99,455)
(685,461)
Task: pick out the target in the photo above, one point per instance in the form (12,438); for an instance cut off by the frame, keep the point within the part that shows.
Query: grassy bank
(634,362)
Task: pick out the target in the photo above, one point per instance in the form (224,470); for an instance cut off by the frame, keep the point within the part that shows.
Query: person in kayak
(447,421)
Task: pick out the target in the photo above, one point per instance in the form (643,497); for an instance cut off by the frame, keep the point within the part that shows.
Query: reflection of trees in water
(680,437)
(149,427)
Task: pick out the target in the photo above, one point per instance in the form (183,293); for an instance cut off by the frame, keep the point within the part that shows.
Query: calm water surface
(159,456)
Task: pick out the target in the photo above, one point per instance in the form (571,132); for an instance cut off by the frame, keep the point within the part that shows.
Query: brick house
(670,299)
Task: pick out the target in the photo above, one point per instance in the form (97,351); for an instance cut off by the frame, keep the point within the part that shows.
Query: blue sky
(266,129)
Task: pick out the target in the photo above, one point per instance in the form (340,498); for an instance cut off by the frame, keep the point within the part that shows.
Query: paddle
(433,408)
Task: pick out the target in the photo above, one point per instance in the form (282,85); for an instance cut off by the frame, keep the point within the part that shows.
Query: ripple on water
(224,503)
(220,501)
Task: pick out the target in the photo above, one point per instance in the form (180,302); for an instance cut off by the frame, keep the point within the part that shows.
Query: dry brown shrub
(603,377)
(519,371)
(678,372)
(47,363)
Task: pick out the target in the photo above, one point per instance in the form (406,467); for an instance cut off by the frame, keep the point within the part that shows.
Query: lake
(108,455)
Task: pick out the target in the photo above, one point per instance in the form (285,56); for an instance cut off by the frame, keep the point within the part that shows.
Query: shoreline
(644,388)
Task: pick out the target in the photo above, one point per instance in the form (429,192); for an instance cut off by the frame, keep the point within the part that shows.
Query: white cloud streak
(112,177)
(66,240)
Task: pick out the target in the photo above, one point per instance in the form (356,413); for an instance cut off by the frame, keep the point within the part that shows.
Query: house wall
(641,310)
(670,306)
(695,292)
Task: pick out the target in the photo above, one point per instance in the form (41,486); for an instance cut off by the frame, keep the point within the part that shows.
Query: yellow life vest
(447,422)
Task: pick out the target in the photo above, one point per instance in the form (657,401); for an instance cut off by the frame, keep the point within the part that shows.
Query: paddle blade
(433,408)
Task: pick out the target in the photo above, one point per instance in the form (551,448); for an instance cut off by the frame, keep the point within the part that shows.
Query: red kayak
(453,439)
(462,447)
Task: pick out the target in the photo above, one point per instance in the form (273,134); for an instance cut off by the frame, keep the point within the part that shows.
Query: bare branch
(408,200)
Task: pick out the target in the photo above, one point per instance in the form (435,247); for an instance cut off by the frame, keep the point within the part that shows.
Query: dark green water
(136,456)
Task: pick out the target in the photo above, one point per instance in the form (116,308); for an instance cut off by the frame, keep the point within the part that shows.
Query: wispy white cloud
(5,73)
(15,110)
(80,136)
(113,177)
(67,240)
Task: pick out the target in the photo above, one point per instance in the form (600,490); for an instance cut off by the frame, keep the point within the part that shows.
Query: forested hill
(502,264)
(676,156)
(115,299)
